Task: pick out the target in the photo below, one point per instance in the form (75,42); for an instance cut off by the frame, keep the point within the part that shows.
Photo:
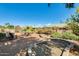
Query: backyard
(30,30)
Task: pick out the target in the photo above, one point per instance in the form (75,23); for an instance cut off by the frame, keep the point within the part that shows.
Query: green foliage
(56,35)
(65,35)
(69,5)
(9,26)
(2,27)
(24,30)
(69,35)
(2,35)
(73,23)
(28,29)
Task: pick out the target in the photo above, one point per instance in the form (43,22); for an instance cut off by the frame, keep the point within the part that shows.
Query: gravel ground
(12,47)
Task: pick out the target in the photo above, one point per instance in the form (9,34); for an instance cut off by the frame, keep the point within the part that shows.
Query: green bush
(65,35)
(29,31)
(71,36)
(2,35)
(56,35)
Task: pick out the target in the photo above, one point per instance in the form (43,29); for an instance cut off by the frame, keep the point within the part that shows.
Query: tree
(9,26)
(73,23)
(69,5)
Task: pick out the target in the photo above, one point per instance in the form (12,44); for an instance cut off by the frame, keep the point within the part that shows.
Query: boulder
(9,36)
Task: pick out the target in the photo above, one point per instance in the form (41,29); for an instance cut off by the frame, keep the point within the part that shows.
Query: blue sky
(34,13)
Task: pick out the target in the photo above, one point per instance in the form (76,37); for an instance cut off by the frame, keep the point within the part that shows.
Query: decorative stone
(5,44)
(23,52)
(9,43)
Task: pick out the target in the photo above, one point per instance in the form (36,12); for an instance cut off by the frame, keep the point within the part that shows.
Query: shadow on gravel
(12,47)
(15,46)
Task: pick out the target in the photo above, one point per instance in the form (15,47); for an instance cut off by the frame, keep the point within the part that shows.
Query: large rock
(51,48)
(10,36)
(56,51)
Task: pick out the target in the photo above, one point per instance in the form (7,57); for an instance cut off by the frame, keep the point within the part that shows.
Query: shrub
(65,35)
(71,36)
(29,31)
(73,23)
(56,35)
(2,35)
(44,31)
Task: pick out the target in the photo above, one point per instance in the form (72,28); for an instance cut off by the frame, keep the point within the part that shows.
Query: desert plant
(56,35)
(9,26)
(65,35)
(69,35)
(2,36)
(73,23)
